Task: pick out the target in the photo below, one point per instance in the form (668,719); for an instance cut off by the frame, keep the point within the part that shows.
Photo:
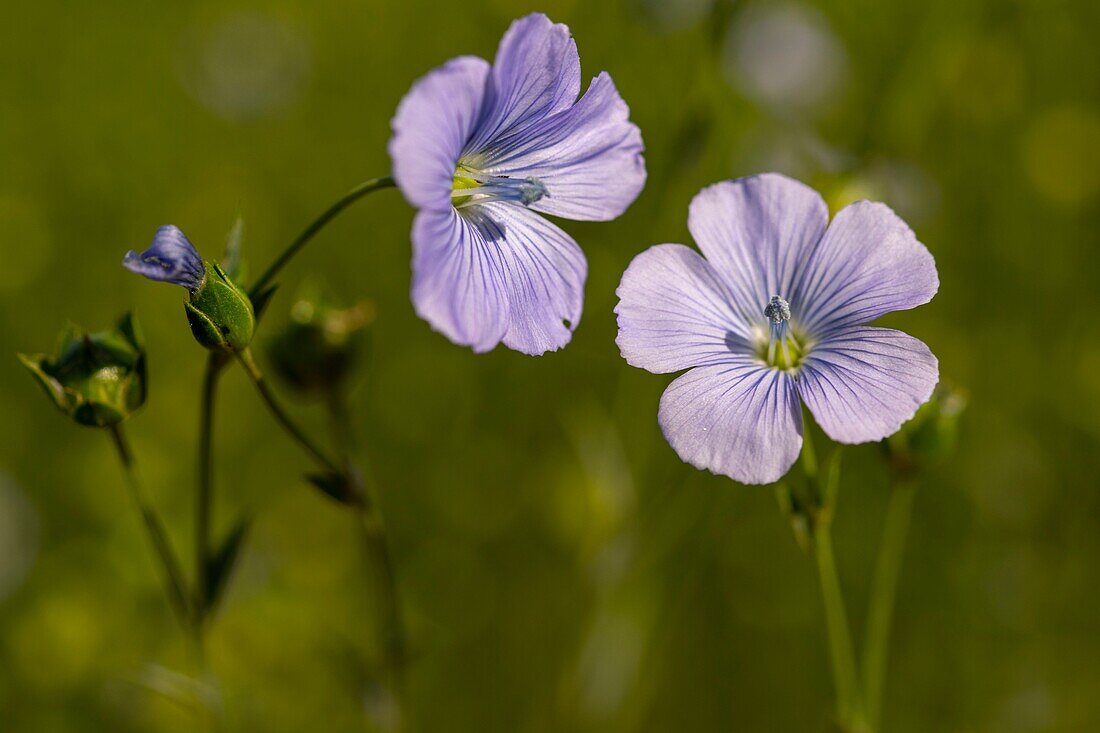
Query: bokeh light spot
(784,56)
(248,65)
(1062,155)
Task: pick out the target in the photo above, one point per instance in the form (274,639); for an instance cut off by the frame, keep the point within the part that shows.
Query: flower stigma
(781,350)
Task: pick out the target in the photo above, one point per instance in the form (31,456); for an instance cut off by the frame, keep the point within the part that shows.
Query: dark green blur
(559,568)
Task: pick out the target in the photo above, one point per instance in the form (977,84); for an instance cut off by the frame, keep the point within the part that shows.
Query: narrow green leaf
(232,262)
(219,566)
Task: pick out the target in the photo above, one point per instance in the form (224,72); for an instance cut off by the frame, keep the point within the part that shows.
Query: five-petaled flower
(479,149)
(776,314)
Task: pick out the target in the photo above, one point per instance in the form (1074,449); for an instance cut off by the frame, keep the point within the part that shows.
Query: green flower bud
(96,379)
(320,344)
(220,313)
(931,435)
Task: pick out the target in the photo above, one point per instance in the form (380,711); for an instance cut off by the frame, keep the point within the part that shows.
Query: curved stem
(214,366)
(883,592)
(175,584)
(280,415)
(368,186)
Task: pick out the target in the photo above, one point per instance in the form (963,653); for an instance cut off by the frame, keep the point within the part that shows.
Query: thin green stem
(392,637)
(175,584)
(280,415)
(393,629)
(808,456)
(841,656)
(340,422)
(364,188)
(215,363)
(841,650)
(883,592)
(214,366)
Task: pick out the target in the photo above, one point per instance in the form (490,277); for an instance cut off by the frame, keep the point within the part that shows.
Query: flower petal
(738,420)
(536,73)
(869,263)
(756,232)
(544,272)
(675,312)
(170,258)
(431,126)
(862,383)
(458,285)
(588,157)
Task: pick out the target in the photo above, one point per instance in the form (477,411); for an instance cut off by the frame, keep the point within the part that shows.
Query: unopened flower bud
(96,379)
(930,436)
(220,313)
(320,344)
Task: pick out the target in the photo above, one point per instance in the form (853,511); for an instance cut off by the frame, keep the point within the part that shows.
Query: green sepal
(337,486)
(930,436)
(220,313)
(796,515)
(129,329)
(34,364)
(69,334)
(204,330)
(97,414)
(137,391)
(220,565)
(232,262)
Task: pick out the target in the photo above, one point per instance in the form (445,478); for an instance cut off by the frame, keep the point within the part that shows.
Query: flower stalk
(256,375)
(175,584)
(884,591)
(392,637)
(841,650)
(215,363)
(369,186)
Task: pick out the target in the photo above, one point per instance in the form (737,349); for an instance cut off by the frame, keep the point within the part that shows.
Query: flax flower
(775,316)
(482,150)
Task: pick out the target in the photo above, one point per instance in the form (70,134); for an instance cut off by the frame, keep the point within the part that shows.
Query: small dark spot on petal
(733,341)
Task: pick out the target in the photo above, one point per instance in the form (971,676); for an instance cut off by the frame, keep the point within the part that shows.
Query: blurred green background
(560,569)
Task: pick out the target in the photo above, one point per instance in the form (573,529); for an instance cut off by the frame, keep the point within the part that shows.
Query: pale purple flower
(482,150)
(170,258)
(773,317)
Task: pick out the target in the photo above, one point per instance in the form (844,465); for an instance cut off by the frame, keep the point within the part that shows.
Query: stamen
(473,187)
